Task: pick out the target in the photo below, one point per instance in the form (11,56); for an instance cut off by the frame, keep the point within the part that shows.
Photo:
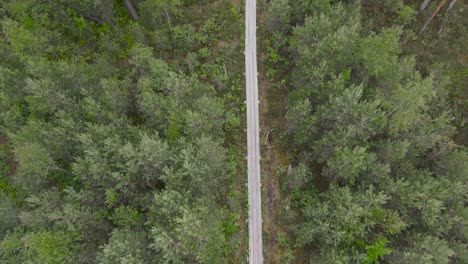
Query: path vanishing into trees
(253,137)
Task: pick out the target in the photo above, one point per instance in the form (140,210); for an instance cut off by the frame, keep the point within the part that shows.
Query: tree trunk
(424,4)
(131,9)
(168,19)
(439,6)
(451,5)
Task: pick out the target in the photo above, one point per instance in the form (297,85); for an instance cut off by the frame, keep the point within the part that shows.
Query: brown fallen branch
(439,6)
(131,9)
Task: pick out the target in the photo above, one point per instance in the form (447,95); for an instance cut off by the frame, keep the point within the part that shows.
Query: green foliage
(125,216)
(199,227)
(99,118)
(426,249)
(348,163)
(35,166)
(49,247)
(126,246)
(287,256)
(22,41)
(340,217)
(325,46)
(12,250)
(377,250)
(297,178)
(278,18)
(379,52)
(153,12)
(376,133)
(299,130)
(8,211)
(405,14)
(111,197)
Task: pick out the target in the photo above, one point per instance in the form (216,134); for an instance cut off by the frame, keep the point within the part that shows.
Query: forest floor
(272,160)
(271,119)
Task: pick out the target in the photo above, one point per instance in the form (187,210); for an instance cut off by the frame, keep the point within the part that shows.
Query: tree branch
(168,19)
(424,4)
(451,5)
(433,15)
(131,9)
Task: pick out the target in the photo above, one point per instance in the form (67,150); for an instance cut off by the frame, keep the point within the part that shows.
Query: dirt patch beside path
(271,120)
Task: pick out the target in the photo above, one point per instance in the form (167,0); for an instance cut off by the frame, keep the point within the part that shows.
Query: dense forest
(119,134)
(373,130)
(122,131)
